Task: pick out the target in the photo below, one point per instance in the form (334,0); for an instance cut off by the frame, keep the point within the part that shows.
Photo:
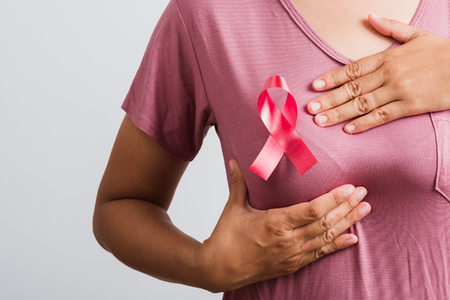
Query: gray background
(65,68)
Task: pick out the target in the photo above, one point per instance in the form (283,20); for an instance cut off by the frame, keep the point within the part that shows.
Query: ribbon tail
(301,157)
(267,160)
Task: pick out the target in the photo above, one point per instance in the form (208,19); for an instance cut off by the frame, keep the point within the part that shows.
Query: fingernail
(315,106)
(361,194)
(364,210)
(349,191)
(318,84)
(375,16)
(351,241)
(350,128)
(322,119)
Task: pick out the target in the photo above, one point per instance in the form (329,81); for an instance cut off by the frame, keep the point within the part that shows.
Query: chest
(344,25)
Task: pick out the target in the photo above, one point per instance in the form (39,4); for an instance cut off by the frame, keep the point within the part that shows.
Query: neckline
(312,34)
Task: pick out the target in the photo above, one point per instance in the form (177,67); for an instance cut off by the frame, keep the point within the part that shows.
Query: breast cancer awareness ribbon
(283,138)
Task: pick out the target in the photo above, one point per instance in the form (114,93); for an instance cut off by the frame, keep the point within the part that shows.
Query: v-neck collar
(312,34)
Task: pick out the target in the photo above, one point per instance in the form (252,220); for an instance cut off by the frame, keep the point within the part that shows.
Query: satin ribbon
(283,137)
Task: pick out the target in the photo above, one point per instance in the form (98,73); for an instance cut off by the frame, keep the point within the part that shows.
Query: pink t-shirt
(205,66)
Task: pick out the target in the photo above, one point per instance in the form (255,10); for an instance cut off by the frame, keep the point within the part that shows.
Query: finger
(305,213)
(341,242)
(325,228)
(357,214)
(345,93)
(349,72)
(238,187)
(357,107)
(398,30)
(379,116)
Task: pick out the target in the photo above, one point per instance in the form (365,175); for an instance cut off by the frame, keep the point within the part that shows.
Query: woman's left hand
(411,79)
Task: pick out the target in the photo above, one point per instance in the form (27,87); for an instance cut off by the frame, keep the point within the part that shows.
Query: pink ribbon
(283,138)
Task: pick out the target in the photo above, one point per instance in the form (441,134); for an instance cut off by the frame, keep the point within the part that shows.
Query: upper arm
(139,168)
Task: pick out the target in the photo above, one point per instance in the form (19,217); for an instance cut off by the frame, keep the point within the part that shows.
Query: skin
(344,25)
(407,80)
(131,222)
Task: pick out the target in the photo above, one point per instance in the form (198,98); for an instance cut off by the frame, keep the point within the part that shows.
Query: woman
(205,66)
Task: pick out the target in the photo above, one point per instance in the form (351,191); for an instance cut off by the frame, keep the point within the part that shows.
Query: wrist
(215,273)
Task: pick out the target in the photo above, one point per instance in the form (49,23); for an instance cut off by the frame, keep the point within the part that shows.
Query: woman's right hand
(250,245)
(247,245)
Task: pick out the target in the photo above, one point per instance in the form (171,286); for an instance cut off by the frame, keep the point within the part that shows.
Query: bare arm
(130,221)
(130,218)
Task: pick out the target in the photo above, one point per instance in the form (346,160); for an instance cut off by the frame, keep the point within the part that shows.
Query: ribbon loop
(283,137)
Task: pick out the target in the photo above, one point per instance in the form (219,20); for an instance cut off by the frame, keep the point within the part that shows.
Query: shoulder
(195,7)
(212,9)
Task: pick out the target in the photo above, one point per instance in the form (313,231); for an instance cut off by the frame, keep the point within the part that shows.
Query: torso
(344,25)
(404,244)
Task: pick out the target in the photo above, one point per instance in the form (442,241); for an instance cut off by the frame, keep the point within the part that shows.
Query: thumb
(395,29)
(238,187)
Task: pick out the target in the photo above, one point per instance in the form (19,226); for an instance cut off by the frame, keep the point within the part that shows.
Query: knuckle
(324,223)
(384,56)
(236,180)
(349,205)
(333,79)
(394,24)
(415,35)
(401,27)
(329,235)
(281,214)
(392,70)
(285,245)
(351,219)
(366,122)
(362,105)
(314,212)
(339,113)
(403,84)
(354,70)
(390,54)
(335,198)
(381,115)
(354,88)
(275,228)
(331,99)
(319,252)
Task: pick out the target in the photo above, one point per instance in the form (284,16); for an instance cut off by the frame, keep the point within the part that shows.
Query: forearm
(141,235)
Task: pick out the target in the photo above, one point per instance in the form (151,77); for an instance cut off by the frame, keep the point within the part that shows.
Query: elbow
(97,228)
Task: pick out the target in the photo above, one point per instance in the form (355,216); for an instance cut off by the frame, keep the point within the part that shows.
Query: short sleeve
(167,99)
